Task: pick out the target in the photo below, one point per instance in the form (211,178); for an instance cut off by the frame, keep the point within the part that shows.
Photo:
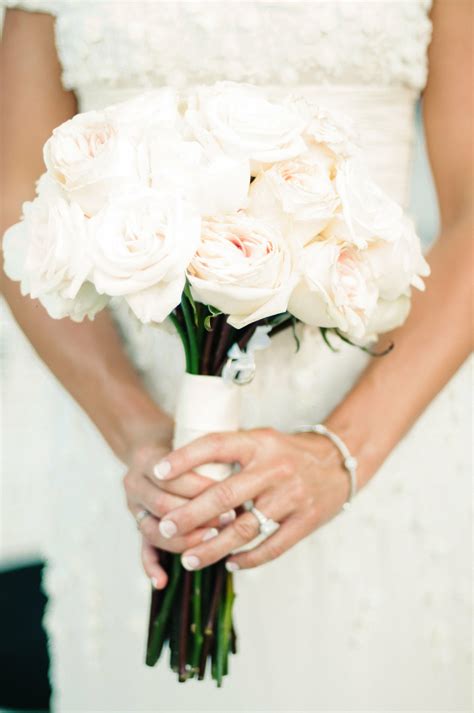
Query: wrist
(134,420)
(353,425)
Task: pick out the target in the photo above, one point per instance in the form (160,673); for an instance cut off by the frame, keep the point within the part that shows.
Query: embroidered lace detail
(149,42)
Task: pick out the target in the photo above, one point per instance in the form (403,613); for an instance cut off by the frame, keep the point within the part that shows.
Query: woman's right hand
(145,491)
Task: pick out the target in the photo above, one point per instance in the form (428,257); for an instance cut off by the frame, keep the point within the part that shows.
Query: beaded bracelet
(349,461)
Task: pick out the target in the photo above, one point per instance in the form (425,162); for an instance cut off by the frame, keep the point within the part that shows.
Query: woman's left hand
(297,480)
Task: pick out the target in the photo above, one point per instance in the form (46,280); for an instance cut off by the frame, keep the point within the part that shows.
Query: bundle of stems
(193,614)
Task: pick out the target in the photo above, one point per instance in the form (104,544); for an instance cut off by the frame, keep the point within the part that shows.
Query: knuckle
(143,454)
(314,512)
(298,489)
(286,467)
(268,436)
(245,529)
(159,505)
(148,529)
(274,550)
(128,481)
(251,559)
(216,441)
(225,496)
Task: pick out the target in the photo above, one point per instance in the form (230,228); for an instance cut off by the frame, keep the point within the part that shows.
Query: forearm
(429,348)
(89,361)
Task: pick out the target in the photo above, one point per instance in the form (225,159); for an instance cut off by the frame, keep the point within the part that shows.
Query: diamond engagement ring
(266,525)
(140,516)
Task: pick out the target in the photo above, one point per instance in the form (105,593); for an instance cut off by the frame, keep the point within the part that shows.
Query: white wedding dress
(370,613)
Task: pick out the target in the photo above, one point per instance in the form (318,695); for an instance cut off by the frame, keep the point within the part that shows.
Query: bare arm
(437,337)
(87,358)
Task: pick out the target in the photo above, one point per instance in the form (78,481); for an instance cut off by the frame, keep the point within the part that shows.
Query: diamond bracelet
(349,461)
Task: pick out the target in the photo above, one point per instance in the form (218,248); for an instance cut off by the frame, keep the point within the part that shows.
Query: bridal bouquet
(232,217)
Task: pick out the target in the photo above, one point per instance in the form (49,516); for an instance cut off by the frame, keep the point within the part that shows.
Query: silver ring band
(140,516)
(266,525)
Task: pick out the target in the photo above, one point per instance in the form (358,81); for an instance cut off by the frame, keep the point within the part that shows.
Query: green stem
(224,630)
(191,330)
(184,339)
(184,627)
(209,629)
(196,626)
(201,332)
(159,625)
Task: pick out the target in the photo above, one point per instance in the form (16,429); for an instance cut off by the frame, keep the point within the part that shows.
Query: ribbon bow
(240,367)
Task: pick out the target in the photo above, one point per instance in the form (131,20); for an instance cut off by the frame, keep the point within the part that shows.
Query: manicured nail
(190,562)
(212,532)
(168,528)
(162,469)
(232,566)
(227,517)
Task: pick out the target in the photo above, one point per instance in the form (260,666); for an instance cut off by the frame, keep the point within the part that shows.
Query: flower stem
(223,345)
(183,626)
(157,630)
(196,626)
(182,335)
(192,336)
(209,629)
(224,630)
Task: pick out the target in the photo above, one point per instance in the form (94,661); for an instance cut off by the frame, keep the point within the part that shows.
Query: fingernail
(227,517)
(154,582)
(212,532)
(162,469)
(190,562)
(168,528)
(232,566)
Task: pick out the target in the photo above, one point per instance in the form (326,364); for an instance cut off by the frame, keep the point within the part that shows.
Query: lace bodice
(142,43)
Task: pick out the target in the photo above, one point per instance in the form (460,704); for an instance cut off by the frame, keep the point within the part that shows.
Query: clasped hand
(297,480)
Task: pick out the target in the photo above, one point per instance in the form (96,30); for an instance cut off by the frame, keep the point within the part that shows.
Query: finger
(230,447)
(151,565)
(219,498)
(187,485)
(289,533)
(158,503)
(241,532)
(150,530)
(152,498)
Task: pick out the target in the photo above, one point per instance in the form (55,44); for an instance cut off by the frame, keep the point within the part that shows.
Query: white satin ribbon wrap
(207,404)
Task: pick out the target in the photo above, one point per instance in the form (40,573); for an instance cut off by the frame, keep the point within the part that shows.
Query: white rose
(89,156)
(47,253)
(245,123)
(297,195)
(242,267)
(335,290)
(388,315)
(369,214)
(398,265)
(142,244)
(151,111)
(211,180)
(331,131)
(86,303)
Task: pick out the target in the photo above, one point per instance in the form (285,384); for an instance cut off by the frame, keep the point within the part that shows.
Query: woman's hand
(297,480)
(143,492)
